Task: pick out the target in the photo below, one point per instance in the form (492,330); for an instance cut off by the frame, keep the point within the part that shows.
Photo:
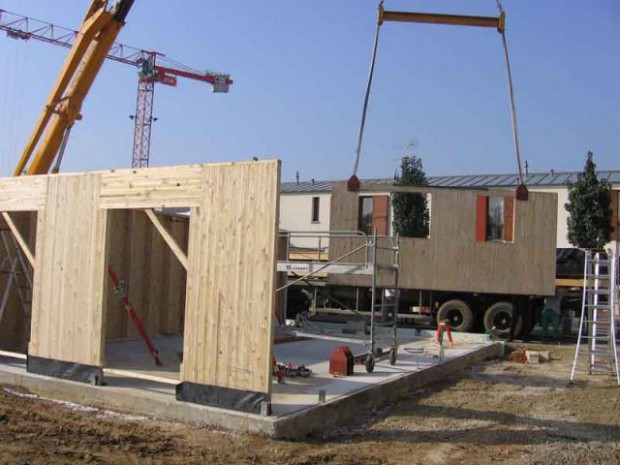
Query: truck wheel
(499,316)
(458,314)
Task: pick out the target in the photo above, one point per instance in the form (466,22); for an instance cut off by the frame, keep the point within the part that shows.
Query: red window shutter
(380,213)
(614,215)
(509,218)
(482,205)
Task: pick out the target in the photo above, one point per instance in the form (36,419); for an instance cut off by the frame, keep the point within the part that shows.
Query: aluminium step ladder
(596,343)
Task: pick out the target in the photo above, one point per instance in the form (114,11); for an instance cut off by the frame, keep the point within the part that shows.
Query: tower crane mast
(153,67)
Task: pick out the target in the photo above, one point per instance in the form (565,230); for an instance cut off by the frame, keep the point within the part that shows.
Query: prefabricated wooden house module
(457,255)
(87,221)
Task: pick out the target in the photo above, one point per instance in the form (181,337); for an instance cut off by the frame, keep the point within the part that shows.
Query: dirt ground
(497,412)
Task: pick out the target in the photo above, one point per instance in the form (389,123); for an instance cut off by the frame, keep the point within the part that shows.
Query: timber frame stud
(230,263)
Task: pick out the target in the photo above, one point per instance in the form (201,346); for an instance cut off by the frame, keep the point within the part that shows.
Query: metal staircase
(596,345)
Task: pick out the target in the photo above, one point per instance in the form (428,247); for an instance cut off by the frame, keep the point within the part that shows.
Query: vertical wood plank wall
(154,278)
(230,280)
(451,259)
(67,316)
(15,323)
(230,294)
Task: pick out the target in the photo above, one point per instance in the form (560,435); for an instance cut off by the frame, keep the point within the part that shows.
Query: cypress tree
(411,217)
(589,209)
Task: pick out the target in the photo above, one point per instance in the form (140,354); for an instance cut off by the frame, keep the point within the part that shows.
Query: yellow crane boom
(62,108)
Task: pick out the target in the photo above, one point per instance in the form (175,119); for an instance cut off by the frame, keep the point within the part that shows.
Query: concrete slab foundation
(297,407)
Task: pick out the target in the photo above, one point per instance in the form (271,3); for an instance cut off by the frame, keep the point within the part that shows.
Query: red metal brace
(137,321)
(443,327)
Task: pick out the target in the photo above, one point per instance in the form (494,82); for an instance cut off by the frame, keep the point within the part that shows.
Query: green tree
(411,216)
(589,209)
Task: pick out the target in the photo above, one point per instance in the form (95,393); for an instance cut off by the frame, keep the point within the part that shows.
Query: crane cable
(513,107)
(354,181)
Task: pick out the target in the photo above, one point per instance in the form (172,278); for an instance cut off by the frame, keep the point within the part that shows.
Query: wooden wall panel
(22,193)
(230,296)
(381,214)
(118,235)
(451,259)
(174,316)
(153,275)
(173,186)
(67,317)
(231,275)
(15,322)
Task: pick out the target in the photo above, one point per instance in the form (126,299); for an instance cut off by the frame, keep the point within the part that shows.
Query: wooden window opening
(495,218)
(374,214)
(365,216)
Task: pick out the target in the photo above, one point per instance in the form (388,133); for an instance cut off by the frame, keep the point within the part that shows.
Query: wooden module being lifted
(230,265)
(461,252)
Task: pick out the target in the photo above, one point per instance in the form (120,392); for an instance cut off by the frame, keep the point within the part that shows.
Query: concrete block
(532,356)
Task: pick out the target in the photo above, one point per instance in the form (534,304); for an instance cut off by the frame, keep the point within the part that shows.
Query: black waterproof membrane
(67,370)
(216,396)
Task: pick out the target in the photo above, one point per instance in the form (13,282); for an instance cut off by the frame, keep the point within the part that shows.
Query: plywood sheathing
(450,259)
(231,254)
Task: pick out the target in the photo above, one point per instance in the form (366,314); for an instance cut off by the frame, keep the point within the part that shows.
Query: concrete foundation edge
(312,421)
(161,409)
(347,409)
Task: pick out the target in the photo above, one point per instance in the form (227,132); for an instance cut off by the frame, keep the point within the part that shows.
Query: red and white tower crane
(153,67)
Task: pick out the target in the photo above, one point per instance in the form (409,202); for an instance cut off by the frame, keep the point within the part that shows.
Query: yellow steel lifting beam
(434,18)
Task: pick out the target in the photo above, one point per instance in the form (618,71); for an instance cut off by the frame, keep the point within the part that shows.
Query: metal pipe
(373,293)
(322,268)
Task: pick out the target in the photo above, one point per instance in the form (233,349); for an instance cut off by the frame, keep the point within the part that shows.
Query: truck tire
(499,316)
(458,314)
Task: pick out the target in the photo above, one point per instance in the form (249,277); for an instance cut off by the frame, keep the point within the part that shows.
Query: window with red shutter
(615,210)
(495,218)
(482,202)
(374,213)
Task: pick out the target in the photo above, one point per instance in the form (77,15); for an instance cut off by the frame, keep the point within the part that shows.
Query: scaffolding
(361,260)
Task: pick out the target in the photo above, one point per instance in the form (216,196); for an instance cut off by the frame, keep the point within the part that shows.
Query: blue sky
(300,70)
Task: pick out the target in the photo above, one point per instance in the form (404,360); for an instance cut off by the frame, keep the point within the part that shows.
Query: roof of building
(317,187)
(548,179)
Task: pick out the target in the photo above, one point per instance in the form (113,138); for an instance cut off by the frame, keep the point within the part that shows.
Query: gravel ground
(497,412)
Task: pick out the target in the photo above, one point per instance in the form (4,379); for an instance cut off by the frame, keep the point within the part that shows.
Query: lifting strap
(353,183)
